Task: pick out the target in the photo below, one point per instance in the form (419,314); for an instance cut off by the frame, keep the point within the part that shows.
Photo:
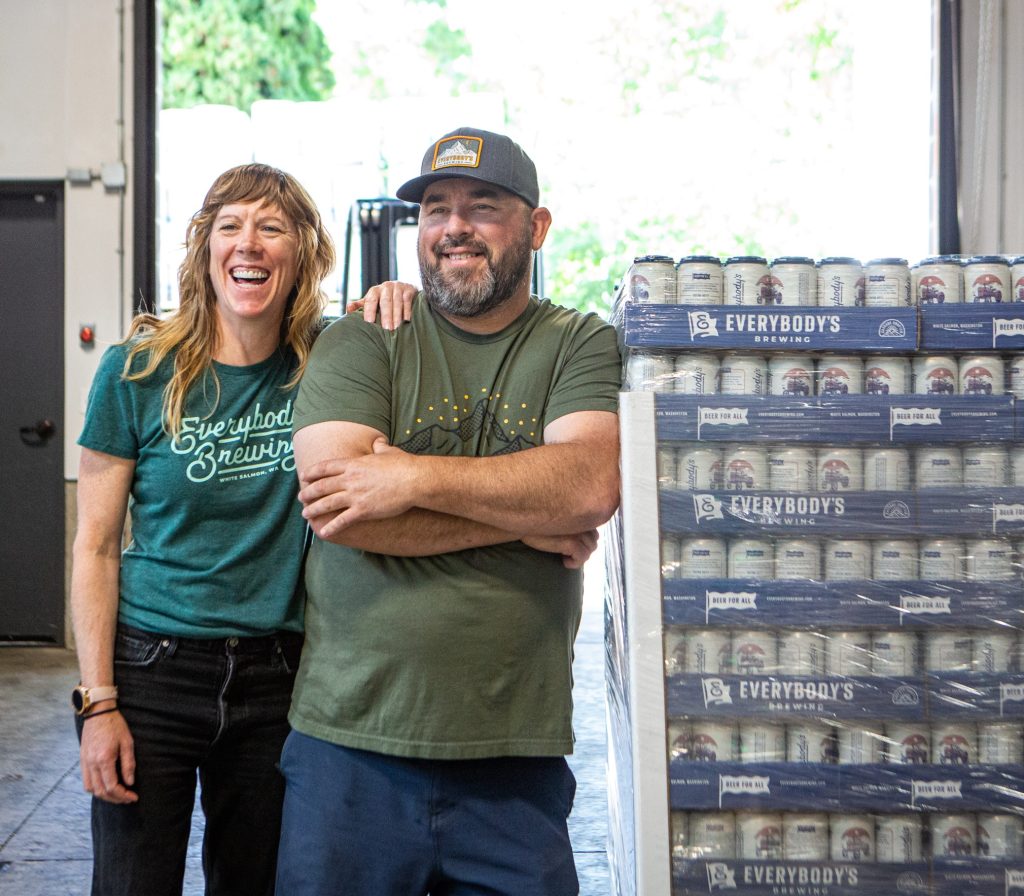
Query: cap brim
(413,190)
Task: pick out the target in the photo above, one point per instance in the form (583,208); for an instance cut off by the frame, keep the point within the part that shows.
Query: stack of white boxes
(815,595)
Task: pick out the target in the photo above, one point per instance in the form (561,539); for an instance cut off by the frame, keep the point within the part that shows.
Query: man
(454,472)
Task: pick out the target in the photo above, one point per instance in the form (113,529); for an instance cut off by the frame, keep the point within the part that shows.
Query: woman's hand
(392,298)
(107,756)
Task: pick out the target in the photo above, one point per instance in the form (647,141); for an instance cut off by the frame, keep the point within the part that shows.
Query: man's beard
(457,294)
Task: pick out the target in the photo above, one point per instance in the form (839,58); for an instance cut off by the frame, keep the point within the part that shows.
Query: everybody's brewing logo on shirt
(254,444)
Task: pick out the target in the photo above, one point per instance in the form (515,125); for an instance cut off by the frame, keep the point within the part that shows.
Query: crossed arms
(361,492)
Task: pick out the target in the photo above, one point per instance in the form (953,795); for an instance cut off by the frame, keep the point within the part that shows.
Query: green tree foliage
(234,52)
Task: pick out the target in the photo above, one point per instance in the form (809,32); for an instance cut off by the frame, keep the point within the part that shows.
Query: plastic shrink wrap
(814,595)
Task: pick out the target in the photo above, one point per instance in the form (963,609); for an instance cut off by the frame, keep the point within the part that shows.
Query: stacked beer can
(841,534)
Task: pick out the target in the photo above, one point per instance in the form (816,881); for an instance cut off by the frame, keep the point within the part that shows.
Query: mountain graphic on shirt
(438,439)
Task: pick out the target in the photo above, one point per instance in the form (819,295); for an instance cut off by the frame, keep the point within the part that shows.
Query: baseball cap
(481,155)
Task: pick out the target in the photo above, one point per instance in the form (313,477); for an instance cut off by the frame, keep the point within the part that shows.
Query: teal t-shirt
(466,654)
(217,531)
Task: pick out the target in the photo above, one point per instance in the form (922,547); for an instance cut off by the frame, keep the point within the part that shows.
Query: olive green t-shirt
(466,654)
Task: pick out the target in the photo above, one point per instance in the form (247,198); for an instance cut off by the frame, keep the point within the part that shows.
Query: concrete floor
(44,814)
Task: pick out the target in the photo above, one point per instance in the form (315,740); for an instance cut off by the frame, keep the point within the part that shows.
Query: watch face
(77,700)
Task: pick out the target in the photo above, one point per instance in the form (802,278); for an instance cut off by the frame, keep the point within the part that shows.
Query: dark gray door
(32,412)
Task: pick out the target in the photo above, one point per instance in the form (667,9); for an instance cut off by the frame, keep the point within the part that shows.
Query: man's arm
(414,533)
(568,485)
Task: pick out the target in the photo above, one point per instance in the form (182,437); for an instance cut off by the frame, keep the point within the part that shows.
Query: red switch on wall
(87,334)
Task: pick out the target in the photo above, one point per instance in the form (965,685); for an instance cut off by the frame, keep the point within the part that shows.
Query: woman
(188,642)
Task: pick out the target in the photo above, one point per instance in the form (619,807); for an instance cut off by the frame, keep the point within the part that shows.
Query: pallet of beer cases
(814,589)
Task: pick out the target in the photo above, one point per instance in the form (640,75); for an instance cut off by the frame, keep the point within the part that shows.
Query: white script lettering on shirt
(237,447)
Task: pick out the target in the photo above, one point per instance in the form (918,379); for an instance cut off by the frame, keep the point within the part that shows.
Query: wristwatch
(83,699)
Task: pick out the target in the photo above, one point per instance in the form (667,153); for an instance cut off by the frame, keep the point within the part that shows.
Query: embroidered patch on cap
(457,152)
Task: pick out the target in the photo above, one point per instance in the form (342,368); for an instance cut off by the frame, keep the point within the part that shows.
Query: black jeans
(217,708)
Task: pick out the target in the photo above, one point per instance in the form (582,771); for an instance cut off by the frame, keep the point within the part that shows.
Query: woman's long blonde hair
(191,332)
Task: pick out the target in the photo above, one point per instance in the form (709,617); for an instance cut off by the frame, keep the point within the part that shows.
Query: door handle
(39,433)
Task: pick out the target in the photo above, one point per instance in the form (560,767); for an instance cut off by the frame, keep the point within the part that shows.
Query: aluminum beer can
(810,741)
(886,470)
(847,559)
(670,553)
(759,835)
(652,279)
(797,558)
(907,743)
(680,734)
(745,467)
(649,371)
(699,467)
(840,281)
(940,281)
(666,460)
(708,651)
(713,835)
(995,650)
(954,743)
(679,830)
(1000,743)
(840,375)
(1000,835)
(702,558)
(1017,464)
(895,654)
(948,651)
(1017,278)
(847,653)
(696,373)
(938,466)
(858,744)
(987,278)
(982,375)
(796,280)
(791,374)
(898,839)
(755,652)
(801,652)
(935,375)
(714,741)
(699,280)
(743,374)
(989,560)
(792,469)
(751,558)
(746,281)
(886,375)
(953,835)
(762,741)
(941,559)
(840,470)
(1017,375)
(894,559)
(852,838)
(674,640)
(887,282)
(805,836)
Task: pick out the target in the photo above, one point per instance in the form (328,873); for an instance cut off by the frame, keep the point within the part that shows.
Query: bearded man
(454,472)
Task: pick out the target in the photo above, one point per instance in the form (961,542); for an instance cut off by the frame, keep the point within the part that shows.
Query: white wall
(66,64)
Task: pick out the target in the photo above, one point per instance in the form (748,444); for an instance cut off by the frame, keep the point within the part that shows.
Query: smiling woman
(253,261)
(191,636)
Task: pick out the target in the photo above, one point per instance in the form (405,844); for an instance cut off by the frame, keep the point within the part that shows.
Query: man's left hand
(338,493)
